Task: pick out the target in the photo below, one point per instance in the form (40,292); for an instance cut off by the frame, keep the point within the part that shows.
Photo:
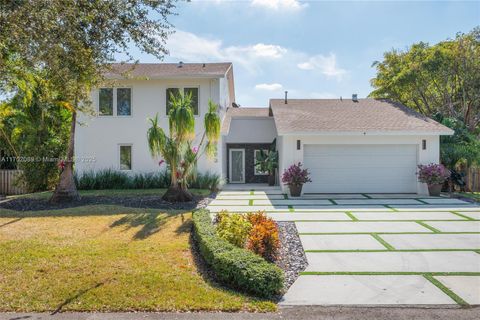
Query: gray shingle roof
(242,112)
(335,115)
(163,70)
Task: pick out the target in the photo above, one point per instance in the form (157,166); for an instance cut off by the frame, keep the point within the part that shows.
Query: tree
(34,126)
(177,148)
(440,79)
(73,43)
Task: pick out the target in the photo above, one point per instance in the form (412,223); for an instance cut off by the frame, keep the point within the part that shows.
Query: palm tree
(177,148)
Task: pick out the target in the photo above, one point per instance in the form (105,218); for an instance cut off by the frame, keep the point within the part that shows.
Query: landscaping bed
(128,198)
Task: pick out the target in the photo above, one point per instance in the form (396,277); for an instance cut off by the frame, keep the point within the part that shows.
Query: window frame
(114,103)
(255,173)
(120,145)
(182,90)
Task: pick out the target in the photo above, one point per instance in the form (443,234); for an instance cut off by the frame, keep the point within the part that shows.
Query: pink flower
(195,150)
(161,162)
(61,164)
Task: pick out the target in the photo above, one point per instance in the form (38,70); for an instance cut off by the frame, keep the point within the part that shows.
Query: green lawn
(106,258)
(472,195)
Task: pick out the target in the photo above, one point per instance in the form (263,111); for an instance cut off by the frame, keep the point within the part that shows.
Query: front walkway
(375,249)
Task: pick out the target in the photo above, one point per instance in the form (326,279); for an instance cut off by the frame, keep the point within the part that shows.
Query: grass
(106,258)
(112,193)
(472,195)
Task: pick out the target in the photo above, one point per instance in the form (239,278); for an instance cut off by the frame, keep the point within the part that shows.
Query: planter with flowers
(434,175)
(295,177)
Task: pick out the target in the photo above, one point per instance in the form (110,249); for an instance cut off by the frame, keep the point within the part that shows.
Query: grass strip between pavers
(250,202)
(366,195)
(445,290)
(290,208)
(390,207)
(463,216)
(423,224)
(285,196)
(395,250)
(383,242)
(420,200)
(352,233)
(387,273)
(252,192)
(351,216)
(332,201)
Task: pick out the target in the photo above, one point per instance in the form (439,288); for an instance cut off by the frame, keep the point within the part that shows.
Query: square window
(124,102)
(171,92)
(194,93)
(125,157)
(105,105)
(258,171)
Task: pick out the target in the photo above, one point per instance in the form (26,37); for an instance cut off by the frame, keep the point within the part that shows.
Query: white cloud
(268,50)
(327,65)
(269,86)
(279,4)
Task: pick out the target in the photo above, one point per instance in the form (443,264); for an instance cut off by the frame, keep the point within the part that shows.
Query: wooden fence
(7,182)
(472,179)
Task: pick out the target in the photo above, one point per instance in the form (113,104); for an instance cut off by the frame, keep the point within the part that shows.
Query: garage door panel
(361,168)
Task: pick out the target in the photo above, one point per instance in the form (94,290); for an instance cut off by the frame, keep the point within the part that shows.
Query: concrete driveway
(375,249)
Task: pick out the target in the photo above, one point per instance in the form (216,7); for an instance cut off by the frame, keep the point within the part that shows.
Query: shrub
(234,228)
(295,175)
(263,238)
(115,179)
(233,266)
(433,173)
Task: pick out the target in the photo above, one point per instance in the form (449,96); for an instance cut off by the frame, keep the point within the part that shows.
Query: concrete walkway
(375,249)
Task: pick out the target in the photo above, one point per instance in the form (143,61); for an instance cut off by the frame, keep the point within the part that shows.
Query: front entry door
(237,165)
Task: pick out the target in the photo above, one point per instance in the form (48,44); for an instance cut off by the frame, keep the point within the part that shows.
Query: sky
(313,49)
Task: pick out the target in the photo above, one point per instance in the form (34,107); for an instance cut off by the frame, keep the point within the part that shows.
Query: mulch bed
(137,201)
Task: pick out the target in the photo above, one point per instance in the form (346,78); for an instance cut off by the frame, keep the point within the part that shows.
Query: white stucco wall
(99,137)
(252,130)
(289,153)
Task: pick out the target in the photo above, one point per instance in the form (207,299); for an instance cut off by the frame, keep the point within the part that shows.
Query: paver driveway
(375,249)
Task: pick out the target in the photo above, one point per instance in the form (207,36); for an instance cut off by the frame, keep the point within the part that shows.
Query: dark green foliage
(115,179)
(235,267)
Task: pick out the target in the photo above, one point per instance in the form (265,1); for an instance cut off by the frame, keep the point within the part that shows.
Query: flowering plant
(433,173)
(295,175)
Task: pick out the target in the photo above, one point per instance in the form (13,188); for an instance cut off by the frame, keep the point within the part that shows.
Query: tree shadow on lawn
(76,296)
(150,223)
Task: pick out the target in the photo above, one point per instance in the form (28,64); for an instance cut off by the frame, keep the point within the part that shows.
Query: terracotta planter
(295,190)
(434,189)
(271,180)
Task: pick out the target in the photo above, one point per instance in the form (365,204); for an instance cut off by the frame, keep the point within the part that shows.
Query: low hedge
(235,267)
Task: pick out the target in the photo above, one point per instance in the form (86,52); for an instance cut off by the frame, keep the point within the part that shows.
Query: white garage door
(361,168)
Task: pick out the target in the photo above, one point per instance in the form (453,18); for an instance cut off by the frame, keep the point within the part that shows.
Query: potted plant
(268,162)
(434,175)
(295,177)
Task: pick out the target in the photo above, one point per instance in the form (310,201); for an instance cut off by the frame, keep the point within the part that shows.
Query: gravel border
(292,259)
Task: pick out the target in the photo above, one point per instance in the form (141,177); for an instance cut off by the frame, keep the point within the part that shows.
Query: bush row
(235,267)
(114,179)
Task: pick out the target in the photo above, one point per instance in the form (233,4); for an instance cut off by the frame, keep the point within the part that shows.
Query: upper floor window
(108,97)
(105,105)
(186,91)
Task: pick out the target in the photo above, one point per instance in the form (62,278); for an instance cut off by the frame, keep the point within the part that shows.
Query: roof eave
(370,133)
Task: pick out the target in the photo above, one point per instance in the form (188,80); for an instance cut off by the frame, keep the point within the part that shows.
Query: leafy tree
(34,126)
(443,78)
(73,43)
(177,148)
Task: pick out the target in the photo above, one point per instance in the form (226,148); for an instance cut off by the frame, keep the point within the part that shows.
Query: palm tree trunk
(66,189)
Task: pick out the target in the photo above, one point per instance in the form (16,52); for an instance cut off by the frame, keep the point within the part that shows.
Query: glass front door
(237,165)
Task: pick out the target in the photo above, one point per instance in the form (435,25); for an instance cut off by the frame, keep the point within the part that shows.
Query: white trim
(119,164)
(230,165)
(368,133)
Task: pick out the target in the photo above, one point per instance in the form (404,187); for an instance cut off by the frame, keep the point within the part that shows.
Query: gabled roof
(167,70)
(311,116)
(242,112)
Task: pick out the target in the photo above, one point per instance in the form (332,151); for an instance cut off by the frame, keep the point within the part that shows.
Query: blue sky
(313,49)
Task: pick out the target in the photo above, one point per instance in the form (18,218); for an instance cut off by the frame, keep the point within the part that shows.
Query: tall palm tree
(177,148)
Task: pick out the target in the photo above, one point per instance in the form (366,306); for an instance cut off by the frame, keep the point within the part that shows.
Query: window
(258,171)
(125,157)
(124,102)
(105,105)
(186,91)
